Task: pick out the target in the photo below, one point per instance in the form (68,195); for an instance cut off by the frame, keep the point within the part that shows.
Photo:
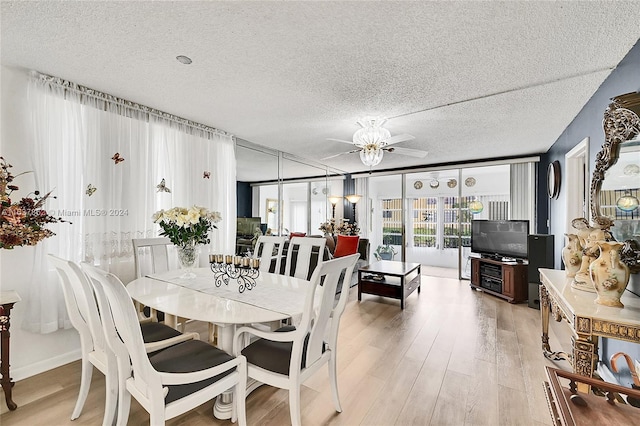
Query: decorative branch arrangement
(22,223)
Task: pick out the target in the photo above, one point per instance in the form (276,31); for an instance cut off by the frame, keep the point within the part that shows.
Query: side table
(388,278)
(7,300)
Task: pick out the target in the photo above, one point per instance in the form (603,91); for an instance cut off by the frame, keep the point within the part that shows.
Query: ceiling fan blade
(342,153)
(408,151)
(398,138)
(340,140)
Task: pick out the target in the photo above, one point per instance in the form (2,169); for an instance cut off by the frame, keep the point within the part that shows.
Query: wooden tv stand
(503,279)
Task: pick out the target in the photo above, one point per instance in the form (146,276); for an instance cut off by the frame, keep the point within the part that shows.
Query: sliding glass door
(431,224)
(386,236)
(433,218)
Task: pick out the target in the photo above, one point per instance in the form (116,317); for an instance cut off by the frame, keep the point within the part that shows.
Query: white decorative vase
(572,255)
(188,256)
(609,274)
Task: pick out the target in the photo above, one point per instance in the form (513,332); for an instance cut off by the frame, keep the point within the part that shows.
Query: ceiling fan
(372,140)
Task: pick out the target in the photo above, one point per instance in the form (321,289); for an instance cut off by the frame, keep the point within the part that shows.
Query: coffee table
(388,278)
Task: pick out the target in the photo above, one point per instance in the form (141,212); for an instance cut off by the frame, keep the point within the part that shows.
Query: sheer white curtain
(76,134)
(522,194)
(363,210)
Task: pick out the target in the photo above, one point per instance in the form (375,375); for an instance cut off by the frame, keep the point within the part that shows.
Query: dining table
(272,299)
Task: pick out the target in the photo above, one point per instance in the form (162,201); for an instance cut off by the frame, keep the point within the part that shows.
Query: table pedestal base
(223,406)
(224,403)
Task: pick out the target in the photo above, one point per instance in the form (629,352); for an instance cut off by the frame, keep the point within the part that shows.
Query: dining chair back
(172,381)
(81,302)
(304,254)
(269,250)
(83,314)
(151,255)
(286,357)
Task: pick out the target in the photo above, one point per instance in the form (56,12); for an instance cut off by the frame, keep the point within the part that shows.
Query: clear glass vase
(188,257)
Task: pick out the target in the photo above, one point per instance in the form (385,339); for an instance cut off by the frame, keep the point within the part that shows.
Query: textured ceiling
(470,80)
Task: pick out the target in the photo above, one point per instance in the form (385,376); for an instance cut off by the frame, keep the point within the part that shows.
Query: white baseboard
(40,367)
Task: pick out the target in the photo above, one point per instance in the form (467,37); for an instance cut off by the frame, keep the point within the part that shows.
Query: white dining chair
(269,250)
(151,256)
(172,381)
(304,254)
(83,312)
(287,357)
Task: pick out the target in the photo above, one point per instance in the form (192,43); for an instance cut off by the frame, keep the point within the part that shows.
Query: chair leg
(85,383)
(156,413)
(333,377)
(240,410)
(294,405)
(111,398)
(124,405)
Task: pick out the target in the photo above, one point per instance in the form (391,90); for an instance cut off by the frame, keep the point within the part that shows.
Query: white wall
(30,353)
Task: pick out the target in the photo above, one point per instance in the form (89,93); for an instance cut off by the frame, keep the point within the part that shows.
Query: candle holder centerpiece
(244,270)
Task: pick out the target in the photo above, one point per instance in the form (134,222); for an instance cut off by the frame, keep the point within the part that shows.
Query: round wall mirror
(553,179)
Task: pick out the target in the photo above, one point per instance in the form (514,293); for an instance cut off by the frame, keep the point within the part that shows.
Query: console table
(587,320)
(7,300)
(388,278)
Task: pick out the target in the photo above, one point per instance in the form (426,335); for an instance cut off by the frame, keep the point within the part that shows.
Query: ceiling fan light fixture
(371,155)
(371,132)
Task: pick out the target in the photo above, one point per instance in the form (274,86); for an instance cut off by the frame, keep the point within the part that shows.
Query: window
(457,222)
(392,221)
(425,222)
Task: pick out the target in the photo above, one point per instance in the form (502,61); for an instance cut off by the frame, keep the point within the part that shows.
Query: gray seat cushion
(275,356)
(187,357)
(155,332)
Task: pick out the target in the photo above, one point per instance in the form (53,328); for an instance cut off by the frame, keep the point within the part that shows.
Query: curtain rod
(447,166)
(111,99)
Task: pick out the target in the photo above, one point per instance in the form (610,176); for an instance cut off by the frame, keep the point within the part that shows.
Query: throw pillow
(297,234)
(347,244)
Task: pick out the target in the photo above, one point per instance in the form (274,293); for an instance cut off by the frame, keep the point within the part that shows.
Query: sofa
(363,248)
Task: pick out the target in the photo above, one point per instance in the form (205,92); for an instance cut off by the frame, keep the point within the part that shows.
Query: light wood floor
(454,356)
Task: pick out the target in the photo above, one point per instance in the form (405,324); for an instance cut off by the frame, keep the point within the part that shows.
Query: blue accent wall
(625,78)
(243,199)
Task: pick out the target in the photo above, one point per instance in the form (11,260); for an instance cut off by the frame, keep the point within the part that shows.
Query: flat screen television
(246,226)
(500,238)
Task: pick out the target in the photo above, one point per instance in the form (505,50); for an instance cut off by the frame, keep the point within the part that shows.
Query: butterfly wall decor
(206,175)
(90,190)
(162,187)
(116,158)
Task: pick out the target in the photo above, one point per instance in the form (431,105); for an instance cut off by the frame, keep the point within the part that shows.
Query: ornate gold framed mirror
(615,183)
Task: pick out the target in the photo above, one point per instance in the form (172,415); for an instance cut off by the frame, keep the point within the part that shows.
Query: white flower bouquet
(346,228)
(187,226)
